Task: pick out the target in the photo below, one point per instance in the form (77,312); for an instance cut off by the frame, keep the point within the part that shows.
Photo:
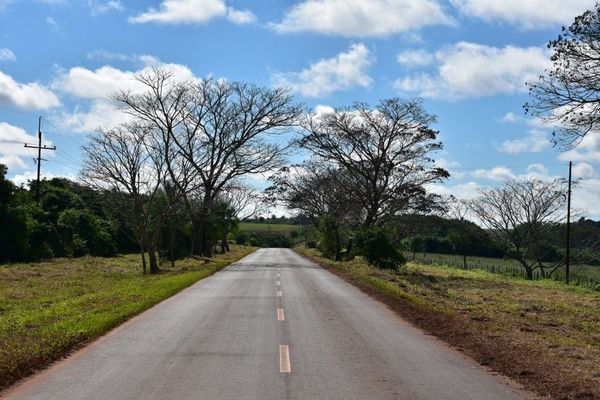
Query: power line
(39,148)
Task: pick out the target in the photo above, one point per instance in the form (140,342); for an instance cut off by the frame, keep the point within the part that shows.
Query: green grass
(47,309)
(542,333)
(500,264)
(278,228)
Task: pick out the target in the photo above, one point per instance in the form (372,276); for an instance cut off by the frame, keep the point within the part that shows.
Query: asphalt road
(272,326)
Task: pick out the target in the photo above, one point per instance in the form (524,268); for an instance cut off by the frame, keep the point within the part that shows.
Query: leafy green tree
(14,238)
(375,246)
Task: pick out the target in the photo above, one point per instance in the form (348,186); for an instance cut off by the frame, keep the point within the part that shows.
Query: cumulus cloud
(588,150)
(25,95)
(535,142)
(344,71)
(192,12)
(362,18)
(583,171)
(528,14)
(98,86)
(7,55)
(12,152)
(475,70)
(499,173)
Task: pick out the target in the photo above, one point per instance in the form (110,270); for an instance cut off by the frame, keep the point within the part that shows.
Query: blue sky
(468,60)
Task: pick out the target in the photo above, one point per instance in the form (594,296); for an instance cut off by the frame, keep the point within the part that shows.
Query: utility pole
(39,148)
(568,252)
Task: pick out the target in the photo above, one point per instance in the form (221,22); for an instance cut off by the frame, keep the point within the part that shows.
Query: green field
(50,308)
(542,333)
(579,272)
(262,228)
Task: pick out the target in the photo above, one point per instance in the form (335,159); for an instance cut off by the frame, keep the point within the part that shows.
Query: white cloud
(24,178)
(192,12)
(12,150)
(240,16)
(362,18)
(463,191)
(7,55)
(474,70)
(535,142)
(344,71)
(99,114)
(585,197)
(106,81)
(102,7)
(527,14)
(98,86)
(450,166)
(583,171)
(415,58)
(510,118)
(25,95)
(499,173)
(54,25)
(588,150)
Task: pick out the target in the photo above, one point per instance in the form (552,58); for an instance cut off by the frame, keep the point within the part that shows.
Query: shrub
(375,246)
(329,241)
(241,238)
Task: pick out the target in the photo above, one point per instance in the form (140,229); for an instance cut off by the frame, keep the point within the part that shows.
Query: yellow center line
(279,293)
(280,314)
(284,359)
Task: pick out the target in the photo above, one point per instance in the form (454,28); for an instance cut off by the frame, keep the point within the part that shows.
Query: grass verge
(49,309)
(278,228)
(542,334)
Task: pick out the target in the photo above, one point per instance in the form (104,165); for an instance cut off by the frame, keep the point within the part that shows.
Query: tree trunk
(154,269)
(143,254)
(200,246)
(528,269)
(224,242)
(338,245)
(465,260)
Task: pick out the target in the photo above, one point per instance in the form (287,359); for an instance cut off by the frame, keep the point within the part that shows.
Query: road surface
(271,326)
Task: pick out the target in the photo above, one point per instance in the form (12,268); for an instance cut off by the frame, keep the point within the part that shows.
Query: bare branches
(385,150)
(568,94)
(522,214)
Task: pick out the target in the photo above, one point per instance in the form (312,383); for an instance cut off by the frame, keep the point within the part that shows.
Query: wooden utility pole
(39,148)
(568,250)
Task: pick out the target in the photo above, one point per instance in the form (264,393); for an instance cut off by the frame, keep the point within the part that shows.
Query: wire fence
(504,268)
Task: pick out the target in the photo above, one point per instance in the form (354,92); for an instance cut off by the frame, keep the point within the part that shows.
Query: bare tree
(237,202)
(521,214)
(568,94)
(324,194)
(245,201)
(123,160)
(386,152)
(220,128)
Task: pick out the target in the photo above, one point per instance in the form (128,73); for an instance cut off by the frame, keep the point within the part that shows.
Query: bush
(375,246)
(329,241)
(241,238)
